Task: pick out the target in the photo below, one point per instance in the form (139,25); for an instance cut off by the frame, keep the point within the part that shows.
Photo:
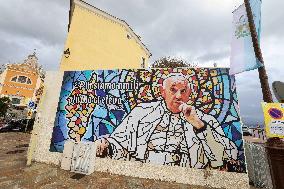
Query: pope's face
(175,93)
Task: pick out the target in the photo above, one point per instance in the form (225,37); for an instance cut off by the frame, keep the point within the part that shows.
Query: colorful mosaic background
(213,92)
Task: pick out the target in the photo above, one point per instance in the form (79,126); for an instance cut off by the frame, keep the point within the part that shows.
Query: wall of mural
(184,116)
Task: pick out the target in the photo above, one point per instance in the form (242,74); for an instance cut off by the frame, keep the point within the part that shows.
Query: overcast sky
(197,31)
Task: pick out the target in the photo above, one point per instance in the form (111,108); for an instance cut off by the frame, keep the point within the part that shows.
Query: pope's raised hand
(102,146)
(191,116)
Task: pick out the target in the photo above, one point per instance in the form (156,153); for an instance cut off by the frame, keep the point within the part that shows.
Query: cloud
(169,27)
(217,55)
(198,31)
(272,16)
(29,25)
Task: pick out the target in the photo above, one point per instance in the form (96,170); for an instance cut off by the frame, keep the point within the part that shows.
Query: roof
(30,65)
(108,16)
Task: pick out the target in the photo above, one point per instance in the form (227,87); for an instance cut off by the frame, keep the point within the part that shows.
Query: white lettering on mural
(85,99)
(106,86)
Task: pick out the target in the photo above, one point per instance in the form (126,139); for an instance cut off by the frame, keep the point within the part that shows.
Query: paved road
(15,174)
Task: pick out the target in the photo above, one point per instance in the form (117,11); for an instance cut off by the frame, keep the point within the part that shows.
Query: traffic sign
(31,104)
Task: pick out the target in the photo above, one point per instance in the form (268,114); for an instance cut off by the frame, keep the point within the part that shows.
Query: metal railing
(258,133)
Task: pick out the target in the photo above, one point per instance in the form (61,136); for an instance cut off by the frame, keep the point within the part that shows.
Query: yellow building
(97,40)
(20,82)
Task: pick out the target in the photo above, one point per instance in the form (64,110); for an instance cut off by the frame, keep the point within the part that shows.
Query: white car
(246,130)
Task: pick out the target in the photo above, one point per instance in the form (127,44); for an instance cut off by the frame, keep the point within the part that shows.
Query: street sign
(274,119)
(31,104)
(29,114)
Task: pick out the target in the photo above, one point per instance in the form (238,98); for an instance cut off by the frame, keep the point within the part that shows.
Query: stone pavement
(15,174)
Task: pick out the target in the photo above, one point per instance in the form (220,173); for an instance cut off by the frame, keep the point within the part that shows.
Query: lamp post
(263,78)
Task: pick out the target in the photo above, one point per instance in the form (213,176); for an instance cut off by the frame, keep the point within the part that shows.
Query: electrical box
(79,157)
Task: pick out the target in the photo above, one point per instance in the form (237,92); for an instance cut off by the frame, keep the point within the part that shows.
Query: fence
(258,133)
(257,165)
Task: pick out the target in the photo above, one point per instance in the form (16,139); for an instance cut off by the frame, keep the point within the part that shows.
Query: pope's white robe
(130,138)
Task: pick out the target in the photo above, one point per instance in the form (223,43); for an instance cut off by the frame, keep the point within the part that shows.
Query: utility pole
(263,78)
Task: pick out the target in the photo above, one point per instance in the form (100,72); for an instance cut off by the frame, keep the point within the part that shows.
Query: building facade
(97,40)
(22,82)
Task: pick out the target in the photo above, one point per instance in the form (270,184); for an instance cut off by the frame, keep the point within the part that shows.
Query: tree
(171,62)
(4,105)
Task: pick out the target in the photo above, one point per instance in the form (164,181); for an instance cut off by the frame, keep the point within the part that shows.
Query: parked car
(246,130)
(14,126)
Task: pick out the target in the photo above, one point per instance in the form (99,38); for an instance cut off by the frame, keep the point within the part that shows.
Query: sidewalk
(15,174)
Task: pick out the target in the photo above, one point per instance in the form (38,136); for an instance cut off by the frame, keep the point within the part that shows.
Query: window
(14,79)
(143,62)
(22,79)
(16,101)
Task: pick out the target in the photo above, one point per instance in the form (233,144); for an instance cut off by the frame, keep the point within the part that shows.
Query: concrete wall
(2,78)
(42,133)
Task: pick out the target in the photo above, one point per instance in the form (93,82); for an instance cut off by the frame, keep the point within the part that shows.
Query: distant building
(97,40)
(22,82)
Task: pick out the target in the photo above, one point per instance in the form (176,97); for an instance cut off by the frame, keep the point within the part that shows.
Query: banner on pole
(274,119)
(242,52)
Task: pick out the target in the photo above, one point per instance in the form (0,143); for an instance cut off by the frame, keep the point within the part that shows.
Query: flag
(242,52)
